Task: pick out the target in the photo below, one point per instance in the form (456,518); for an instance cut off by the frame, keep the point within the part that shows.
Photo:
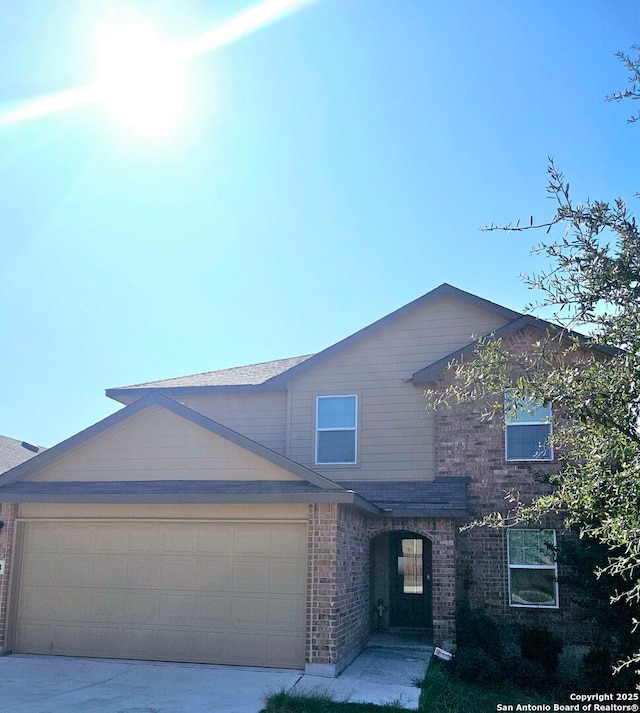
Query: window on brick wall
(527,431)
(533,572)
(336,429)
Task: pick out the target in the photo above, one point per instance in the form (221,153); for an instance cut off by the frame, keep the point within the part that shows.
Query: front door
(410,581)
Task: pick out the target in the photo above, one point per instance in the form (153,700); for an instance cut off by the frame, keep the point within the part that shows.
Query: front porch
(385,672)
(356,560)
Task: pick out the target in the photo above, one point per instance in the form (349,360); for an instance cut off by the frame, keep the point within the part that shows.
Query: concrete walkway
(387,671)
(56,684)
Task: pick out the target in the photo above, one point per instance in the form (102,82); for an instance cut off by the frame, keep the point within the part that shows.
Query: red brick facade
(467,445)
(338,586)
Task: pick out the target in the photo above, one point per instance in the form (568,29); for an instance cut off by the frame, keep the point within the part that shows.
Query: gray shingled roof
(148,491)
(178,491)
(166,487)
(442,497)
(275,374)
(249,375)
(13,452)
(445,496)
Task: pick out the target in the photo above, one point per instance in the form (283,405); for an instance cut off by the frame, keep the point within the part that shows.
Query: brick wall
(467,445)
(8,514)
(338,585)
(321,585)
(339,603)
(352,600)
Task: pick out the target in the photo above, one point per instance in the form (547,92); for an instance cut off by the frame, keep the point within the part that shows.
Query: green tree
(592,287)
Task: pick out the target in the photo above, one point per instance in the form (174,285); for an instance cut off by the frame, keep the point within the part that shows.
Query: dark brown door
(410,595)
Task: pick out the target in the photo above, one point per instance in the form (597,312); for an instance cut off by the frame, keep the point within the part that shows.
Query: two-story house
(276,514)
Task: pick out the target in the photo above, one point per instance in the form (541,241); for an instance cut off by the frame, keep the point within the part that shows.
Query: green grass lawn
(297,703)
(440,694)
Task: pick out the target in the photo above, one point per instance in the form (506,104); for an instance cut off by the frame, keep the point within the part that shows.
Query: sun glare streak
(62,101)
(153,71)
(245,23)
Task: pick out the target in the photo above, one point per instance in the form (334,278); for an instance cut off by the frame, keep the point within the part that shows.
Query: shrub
(526,674)
(472,665)
(476,629)
(597,671)
(542,647)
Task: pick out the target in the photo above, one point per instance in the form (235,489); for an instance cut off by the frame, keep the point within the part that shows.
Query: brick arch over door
(441,533)
(338,598)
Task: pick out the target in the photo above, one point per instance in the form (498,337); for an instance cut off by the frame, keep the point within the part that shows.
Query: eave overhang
(179,492)
(177,392)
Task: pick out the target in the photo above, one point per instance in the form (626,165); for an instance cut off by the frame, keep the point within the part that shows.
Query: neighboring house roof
(14,452)
(275,375)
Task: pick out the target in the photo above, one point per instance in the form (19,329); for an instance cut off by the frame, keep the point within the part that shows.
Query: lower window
(533,571)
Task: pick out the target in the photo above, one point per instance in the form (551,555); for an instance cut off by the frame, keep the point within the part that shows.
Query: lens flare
(141,79)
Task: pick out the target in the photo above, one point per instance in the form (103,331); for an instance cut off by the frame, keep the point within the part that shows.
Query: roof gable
(444,291)
(276,375)
(121,447)
(430,373)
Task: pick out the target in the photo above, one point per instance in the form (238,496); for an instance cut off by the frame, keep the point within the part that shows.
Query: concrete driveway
(54,684)
(58,684)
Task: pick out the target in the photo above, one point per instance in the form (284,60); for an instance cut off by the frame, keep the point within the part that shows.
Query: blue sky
(329,168)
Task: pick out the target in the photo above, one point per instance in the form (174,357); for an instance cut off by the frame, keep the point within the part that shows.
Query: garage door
(231,593)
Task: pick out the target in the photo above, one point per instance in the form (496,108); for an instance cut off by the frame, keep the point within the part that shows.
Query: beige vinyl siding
(261,417)
(395,433)
(230,592)
(156,444)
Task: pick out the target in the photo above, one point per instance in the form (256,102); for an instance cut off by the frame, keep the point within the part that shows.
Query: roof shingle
(445,496)
(13,452)
(249,375)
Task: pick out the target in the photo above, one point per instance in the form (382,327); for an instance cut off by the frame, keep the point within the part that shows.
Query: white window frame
(340,428)
(549,568)
(547,421)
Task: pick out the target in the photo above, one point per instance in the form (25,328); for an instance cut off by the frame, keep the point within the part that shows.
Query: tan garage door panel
(230,593)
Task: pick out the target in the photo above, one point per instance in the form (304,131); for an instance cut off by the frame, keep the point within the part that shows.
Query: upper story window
(527,430)
(336,429)
(533,575)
